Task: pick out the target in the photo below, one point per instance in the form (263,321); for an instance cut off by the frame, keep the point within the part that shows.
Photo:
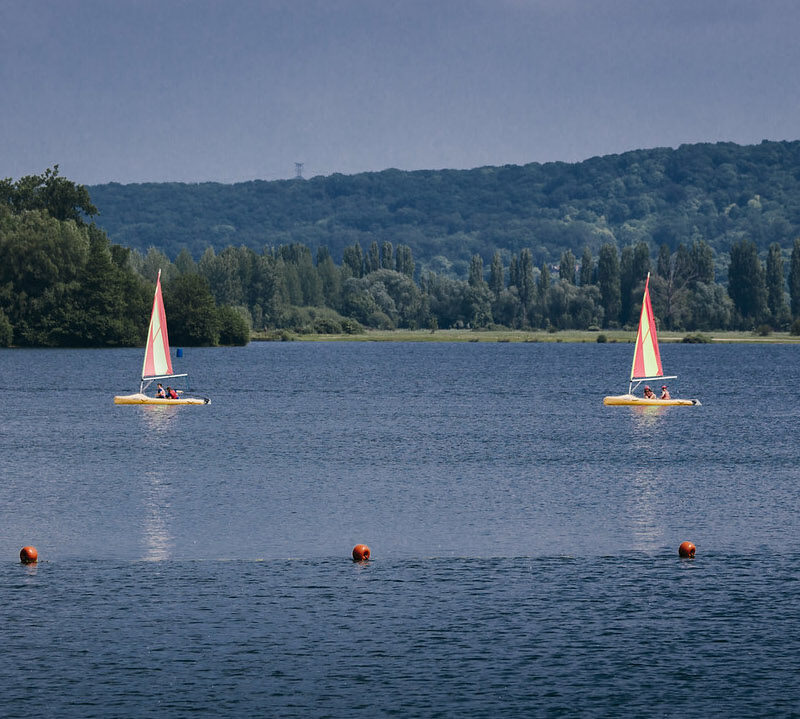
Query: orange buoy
(687,549)
(28,555)
(360,553)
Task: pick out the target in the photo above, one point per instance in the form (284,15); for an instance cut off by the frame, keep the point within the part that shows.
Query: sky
(135,91)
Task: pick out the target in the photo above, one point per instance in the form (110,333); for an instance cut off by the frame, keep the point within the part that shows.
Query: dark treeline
(62,283)
(289,287)
(719,193)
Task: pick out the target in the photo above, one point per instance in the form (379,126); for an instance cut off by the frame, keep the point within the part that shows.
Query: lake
(196,560)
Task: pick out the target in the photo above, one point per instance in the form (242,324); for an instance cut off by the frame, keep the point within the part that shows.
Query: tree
(387,259)
(587,267)
(746,283)
(634,267)
(566,269)
(373,260)
(59,197)
(193,317)
(701,258)
(794,279)
(234,329)
(544,281)
(184,263)
(6,331)
(496,275)
(608,279)
(774,281)
(353,260)
(404,260)
(330,277)
(476,272)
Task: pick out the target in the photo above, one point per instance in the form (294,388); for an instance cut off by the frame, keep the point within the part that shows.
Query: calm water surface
(195,560)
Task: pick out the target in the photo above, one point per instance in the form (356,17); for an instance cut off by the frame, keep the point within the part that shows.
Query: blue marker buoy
(179,352)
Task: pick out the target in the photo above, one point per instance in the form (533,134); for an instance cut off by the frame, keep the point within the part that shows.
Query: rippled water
(195,560)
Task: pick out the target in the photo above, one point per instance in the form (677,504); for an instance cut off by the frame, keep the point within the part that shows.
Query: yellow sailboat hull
(144,399)
(631,401)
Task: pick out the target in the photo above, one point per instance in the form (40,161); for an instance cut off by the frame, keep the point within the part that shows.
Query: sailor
(665,392)
(648,393)
(160,390)
(171,393)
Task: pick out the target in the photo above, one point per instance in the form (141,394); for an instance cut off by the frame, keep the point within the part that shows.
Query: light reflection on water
(157,537)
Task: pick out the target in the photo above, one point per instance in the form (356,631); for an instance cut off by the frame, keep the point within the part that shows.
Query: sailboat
(157,361)
(646,361)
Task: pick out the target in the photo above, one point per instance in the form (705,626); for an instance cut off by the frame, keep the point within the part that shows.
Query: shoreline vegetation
(579,336)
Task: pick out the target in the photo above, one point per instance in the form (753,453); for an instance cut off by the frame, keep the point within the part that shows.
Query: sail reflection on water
(646,527)
(157,538)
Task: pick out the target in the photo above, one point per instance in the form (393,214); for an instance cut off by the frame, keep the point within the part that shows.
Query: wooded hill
(718,193)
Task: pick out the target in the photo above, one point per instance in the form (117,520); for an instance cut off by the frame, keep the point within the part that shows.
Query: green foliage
(601,338)
(696,338)
(57,196)
(62,284)
(608,279)
(234,325)
(192,313)
(6,331)
(794,279)
(746,283)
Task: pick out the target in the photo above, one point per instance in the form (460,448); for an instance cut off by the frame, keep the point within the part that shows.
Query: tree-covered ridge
(720,193)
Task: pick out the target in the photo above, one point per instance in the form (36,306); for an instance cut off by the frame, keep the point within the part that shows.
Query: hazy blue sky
(196,90)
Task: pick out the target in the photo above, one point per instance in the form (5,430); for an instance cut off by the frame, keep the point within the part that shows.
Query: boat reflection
(158,416)
(157,538)
(647,416)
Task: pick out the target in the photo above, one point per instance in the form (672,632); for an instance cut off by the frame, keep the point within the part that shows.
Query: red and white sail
(157,361)
(646,357)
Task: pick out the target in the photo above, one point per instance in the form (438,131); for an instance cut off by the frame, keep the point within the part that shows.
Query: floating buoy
(28,555)
(360,553)
(179,352)
(687,549)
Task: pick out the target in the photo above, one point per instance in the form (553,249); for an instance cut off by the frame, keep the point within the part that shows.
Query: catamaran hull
(631,401)
(144,399)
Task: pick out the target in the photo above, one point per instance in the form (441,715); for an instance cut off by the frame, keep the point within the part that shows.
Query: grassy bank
(515,336)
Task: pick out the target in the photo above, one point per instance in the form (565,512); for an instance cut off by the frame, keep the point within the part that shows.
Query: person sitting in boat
(648,393)
(171,393)
(160,390)
(664,392)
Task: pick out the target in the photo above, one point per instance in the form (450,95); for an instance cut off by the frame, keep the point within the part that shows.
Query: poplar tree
(774,280)
(746,284)
(587,267)
(794,279)
(476,271)
(525,279)
(353,259)
(566,268)
(387,259)
(404,260)
(496,274)
(608,281)
(544,281)
(373,257)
